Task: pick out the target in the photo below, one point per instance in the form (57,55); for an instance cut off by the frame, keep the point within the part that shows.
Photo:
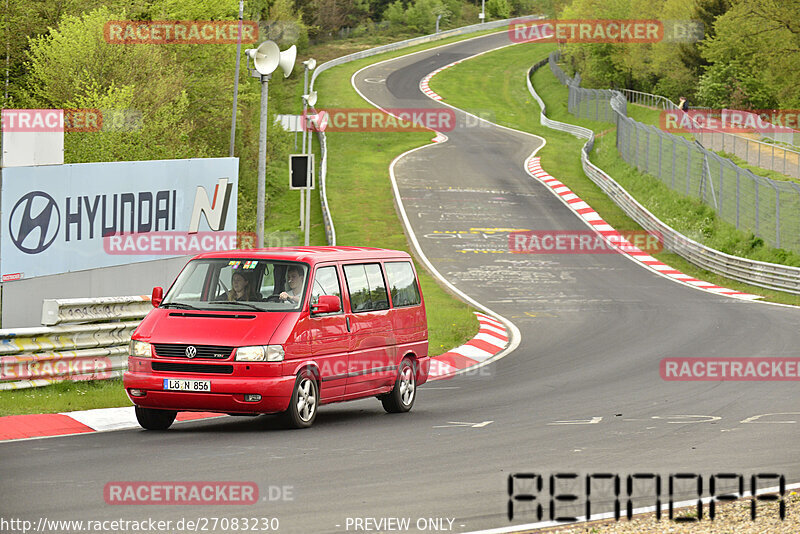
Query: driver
(294,277)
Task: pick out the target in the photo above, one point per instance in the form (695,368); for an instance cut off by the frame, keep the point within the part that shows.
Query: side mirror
(326,304)
(157,297)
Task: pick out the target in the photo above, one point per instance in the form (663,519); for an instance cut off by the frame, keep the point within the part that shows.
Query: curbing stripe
(591,217)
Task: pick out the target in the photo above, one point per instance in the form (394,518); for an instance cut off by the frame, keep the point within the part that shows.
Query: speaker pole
(305,108)
(262,161)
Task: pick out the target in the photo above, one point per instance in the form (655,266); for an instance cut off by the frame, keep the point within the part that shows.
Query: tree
(73,66)
(729,85)
(498,9)
(762,37)
(421,15)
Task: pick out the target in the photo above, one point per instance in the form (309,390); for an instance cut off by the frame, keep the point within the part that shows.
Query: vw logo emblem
(191,351)
(34,211)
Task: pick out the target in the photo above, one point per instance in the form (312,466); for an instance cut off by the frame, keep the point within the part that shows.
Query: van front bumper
(226,395)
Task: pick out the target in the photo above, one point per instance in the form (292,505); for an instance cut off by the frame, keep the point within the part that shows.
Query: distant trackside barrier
(89,343)
(762,274)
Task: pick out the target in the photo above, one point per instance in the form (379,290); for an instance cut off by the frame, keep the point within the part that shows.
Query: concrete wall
(22,299)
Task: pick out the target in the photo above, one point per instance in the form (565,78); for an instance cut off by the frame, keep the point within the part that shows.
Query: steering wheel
(274,298)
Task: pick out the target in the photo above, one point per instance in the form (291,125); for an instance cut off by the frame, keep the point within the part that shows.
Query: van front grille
(214,352)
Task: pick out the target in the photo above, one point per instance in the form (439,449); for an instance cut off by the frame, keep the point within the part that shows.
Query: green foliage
(763,40)
(420,16)
(285,26)
(527,7)
(729,85)
(74,67)
(498,9)
(748,58)
(395,14)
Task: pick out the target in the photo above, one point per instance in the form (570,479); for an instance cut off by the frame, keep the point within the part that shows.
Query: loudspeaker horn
(310,63)
(286,61)
(311,98)
(266,57)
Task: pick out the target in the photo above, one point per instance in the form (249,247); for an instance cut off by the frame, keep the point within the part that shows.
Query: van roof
(309,254)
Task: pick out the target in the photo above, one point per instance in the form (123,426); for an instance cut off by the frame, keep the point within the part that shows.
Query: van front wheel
(402,397)
(152,419)
(303,406)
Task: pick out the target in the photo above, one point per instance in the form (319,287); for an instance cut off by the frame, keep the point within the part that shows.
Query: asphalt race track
(581,394)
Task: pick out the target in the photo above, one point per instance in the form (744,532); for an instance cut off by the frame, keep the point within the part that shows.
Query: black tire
(402,397)
(302,410)
(153,419)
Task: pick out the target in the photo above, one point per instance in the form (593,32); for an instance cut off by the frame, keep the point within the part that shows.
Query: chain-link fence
(768,208)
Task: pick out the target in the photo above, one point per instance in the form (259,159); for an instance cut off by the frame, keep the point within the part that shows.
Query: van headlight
(260,353)
(140,349)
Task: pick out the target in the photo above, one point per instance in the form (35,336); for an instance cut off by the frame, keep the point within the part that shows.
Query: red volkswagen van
(281,330)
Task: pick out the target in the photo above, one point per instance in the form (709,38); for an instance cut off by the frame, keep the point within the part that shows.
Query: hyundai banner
(62,218)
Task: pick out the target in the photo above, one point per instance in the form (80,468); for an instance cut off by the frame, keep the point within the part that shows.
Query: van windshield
(236,283)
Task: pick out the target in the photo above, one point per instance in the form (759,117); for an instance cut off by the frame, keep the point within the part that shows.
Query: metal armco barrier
(762,274)
(56,311)
(327,218)
(330,230)
(96,350)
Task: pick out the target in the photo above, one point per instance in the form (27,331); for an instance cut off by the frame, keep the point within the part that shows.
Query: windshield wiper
(178,305)
(236,303)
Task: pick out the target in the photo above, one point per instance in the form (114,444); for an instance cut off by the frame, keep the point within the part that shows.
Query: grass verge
(503,90)
(361,202)
(64,397)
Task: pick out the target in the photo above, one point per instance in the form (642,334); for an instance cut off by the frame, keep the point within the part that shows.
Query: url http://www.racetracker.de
(198,524)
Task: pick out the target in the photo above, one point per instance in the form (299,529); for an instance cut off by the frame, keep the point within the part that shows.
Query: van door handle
(347,320)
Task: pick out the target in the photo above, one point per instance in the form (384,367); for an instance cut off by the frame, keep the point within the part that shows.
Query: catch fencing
(758,153)
(770,209)
(768,275)
(89,342)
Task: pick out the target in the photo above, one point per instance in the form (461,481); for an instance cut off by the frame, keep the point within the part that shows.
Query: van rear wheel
(303,405)
(402,397)
(152,419)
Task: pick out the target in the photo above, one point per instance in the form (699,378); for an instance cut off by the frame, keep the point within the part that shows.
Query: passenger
(294,277)
(241,288)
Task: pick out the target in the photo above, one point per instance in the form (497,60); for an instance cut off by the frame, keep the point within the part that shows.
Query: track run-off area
(580,393)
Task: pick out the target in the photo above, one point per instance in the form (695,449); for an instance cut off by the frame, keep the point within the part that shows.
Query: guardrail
(330,230)
(92,350)
(762,274)
(56,311)
(327,218)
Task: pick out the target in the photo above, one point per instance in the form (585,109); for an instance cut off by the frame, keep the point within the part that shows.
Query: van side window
(403,283)
(326,282)
(366,286)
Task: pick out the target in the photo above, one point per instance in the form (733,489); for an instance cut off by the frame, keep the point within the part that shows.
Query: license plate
(172,384)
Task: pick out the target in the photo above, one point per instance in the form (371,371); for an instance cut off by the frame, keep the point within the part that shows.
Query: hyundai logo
(191,351)
(35,215)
